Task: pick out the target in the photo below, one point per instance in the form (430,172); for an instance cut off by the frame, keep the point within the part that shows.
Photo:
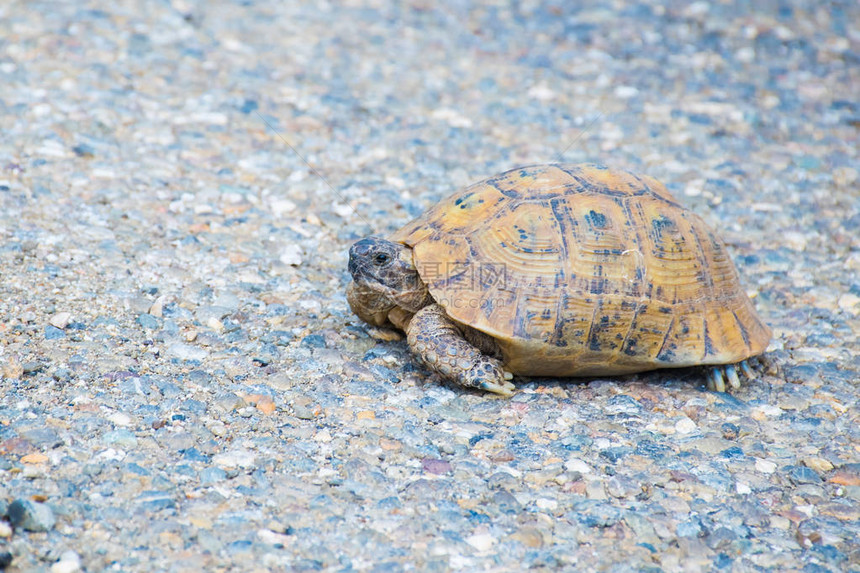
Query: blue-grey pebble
(149,321)
(615,453)
(195,455)
(121,437)
(314,341)
(689,528)
(155,501)
(137,469)
(42,437)
(53,333)
(732,453)
(211,476)
(31,515)
(623,404)
(802,475)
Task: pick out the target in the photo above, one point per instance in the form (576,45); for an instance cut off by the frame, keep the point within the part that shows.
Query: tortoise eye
(380,259)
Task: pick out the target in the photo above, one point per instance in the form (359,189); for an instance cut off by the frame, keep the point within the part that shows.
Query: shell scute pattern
(602,272)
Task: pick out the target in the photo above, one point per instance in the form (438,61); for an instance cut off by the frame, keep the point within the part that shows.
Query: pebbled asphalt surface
(184,387)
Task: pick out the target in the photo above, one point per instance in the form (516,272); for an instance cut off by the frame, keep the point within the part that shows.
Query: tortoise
(559,270)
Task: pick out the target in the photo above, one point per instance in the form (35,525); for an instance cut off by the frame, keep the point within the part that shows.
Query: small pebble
(314,341)
(31,367)
(594,490)
(228,402)
(291,255)
(236,458)
(149,321)
(121,437)
(53,333)
(69,562)
(273,538)
(31,515)
(546,504)
(577,465)
(60,320)
(35,458)
(802,475)
(186,352)
(848,475)
(528,536)
(211,476)
(120,419)
(685,426)
(730,431)
(482,542)
(819,465)
(765,466)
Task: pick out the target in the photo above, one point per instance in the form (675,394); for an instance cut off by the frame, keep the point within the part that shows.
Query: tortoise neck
(400,317)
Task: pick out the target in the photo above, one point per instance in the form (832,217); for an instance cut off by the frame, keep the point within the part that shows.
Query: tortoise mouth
(354,267)
(357,257)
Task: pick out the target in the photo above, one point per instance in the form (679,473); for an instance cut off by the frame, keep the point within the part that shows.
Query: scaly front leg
(440,344)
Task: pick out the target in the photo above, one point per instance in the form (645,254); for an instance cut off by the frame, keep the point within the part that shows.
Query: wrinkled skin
(386,290)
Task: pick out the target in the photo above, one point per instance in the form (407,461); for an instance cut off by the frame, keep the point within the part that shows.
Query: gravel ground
(184,387)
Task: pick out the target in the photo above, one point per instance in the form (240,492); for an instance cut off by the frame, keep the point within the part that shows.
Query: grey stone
(54,333)
(46,438)
(122,438)
(211,476)
(31,515)
(802,475)
(148,321)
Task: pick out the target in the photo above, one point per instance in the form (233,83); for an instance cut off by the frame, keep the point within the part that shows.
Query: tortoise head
(384,277)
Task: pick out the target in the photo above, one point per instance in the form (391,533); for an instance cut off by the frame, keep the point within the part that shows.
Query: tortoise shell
(580,270)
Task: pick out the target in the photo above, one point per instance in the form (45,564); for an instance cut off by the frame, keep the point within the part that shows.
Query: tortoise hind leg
(719,375)
(439,343)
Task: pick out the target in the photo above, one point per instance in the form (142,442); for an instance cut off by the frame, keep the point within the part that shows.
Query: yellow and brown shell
(581,270)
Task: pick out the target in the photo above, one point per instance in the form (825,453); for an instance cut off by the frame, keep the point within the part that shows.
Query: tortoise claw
(716,382)
(487,374)
(719,375)
(505,389)
(732,374)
